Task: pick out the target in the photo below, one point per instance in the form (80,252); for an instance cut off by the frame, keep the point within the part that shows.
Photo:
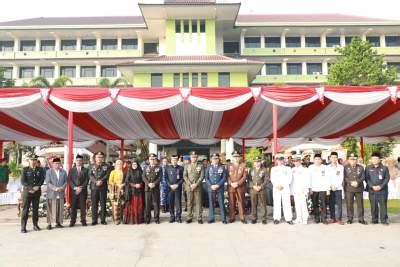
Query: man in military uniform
(174,182)
(354,188)
(215,179)
(236,187)
(151,177)
(193,175)
(258,179)
(98,176)
(32,179)
(377,178)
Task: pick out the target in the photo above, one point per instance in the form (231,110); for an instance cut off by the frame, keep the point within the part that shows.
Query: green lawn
(393,205)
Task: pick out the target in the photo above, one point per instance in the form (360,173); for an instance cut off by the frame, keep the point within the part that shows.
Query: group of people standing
(135,191)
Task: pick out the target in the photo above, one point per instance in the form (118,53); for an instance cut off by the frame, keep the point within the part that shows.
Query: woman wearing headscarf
(134,186)
(116,185)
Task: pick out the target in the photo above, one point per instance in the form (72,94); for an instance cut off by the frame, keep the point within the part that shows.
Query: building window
(293,42)
(395,65)
(313,42)
(47,45)
(177,26)
(150,48)
(375,41)
(156,80)
(128,44)
(348,39)
(185,26)
(6,46)
(185,79)
(47,72)
(231,47)
(272,42)
(26,72)
(202,25)
(224,79)
(252,42)
(109,44)
(195,79)
(273,69)
(68,71)
(314,68)
(204,79)
(88,44)
(333,41)
(194,25)
(177,79)
(108,71)
(88,71)
(294,68)
(392,40)
(7,73)
(68,45)
(27,45)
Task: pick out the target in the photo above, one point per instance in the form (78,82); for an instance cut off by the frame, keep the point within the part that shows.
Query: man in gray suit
(56,180)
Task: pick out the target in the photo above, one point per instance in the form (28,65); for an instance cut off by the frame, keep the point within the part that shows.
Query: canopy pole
(275,129)
(362,147)
(70,150)
(243,149)
(121,152)
(1,149)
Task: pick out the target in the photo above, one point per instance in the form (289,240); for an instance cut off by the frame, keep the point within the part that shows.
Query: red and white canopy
(202,115)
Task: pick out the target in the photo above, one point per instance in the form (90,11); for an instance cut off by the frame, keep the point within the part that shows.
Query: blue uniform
(216,175)
(164,188)
(175,176)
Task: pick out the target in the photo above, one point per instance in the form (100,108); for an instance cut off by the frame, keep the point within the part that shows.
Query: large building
(180,43)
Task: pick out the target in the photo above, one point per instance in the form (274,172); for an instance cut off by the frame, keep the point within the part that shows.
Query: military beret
(56,160)
(318,155)
(186,157)
(334,154)
(78,157)
(99,153)
(376,154)
(152,156)
(257,159)
(353,156)
(235,154)
(215,156)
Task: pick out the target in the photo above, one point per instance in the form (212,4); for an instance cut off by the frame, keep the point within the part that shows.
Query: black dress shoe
(179,220)
(264,222)
(276,222)
(244,221)
(349,221)
(157,221)
(224,222)
(362,222)
(36,228)
(84,224)
(59,226)
(104,223)
(49,227)
(290,222)
(211,221)
(94,223)
(23,230)
(385,223)
(200,221)
(171,220)
(147,222)
(324,221)
(231,220)
(189,221)
(253,221)
(374,222)
(71,224)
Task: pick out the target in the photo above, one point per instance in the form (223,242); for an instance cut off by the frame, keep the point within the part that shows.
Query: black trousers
(78,201)
(378,202)
(350,205)
(175,203)
(152,200)
(319,205)
(27,199)
(99,195)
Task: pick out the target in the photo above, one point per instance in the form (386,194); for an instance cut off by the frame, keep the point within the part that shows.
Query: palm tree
(104,82)
(119,82)
(62,81)
(40,82)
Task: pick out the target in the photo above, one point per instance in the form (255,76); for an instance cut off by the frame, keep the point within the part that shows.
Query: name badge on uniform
(220,170)
(323,173)
(104,168)
(157,170)
(337,173)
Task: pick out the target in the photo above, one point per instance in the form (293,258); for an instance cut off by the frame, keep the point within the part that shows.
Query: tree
(359,64)
(40,82)
(5,82)
(251,154)
(119,82)
(62,81)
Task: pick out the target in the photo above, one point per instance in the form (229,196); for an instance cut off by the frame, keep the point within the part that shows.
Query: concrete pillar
(58,43)
(229,148)
(302,41)
(223,146)
(242,45)
(325,67)
(383,40)
(78,71)
(364,37)
(37,71)
(284,67)
(15,72)
(98,43)
(264,70)
(262,41)
(342,40)
(37,44)
(78,43)
(56,70)
(98,70)
(283,40)
(140,43)
(119,43)
(153,148)
(323,40)
(304,68)
(16,44)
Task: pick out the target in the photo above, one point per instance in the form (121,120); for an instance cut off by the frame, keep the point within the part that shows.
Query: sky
(13,10)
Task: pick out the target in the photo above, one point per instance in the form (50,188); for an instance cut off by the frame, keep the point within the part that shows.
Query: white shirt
(281,176)
(320,180)
(301,182)
(336,175)
(58,174)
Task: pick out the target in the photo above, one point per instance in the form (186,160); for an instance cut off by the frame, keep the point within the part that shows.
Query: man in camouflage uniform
(151,177)
(258,179)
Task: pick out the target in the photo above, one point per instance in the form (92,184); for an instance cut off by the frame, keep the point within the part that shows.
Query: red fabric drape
(161,122)
(288,94)
(219,93)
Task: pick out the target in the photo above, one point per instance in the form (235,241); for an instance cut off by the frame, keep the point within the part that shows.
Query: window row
(188,26)
(198,79)
(86,44)
(69,71)
(331,41)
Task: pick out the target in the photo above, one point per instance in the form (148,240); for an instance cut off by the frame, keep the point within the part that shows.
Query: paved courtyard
(199,245)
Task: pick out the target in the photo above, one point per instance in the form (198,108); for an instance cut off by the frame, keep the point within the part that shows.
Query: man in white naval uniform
(281,178)
(301,186)
(320,186)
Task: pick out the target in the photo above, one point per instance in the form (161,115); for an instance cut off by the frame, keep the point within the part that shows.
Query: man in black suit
(78,178)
